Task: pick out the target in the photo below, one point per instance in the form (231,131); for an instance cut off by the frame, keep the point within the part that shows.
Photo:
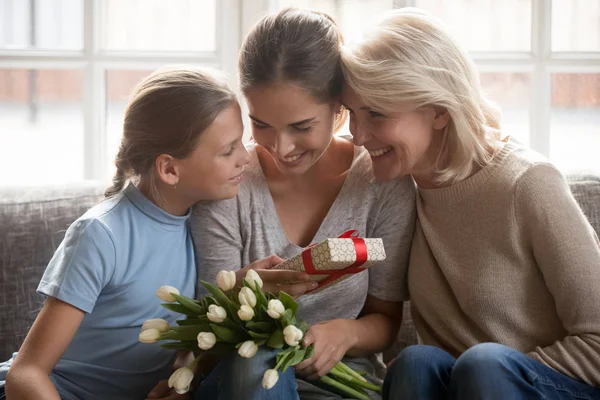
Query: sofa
(33,221)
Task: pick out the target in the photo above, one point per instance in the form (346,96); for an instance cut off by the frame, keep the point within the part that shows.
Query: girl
(303,185)
(182,143)
(504,272)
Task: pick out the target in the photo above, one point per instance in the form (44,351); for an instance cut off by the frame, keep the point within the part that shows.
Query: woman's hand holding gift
(331,340)
(294,283)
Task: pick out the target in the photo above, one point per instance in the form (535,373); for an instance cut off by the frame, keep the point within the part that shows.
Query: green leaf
(222,300)
(259,326)
(261,342)
(310,351)
(295,357)
(286,361)
(178,308)
(190,304)
(288,302)
(182,333)
(302,326)
(276,340)
(201,325)
(226,334)
(221,348)
(187,345)
(255,335)
(287,318)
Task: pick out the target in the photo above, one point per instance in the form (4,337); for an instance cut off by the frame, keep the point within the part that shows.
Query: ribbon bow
(335,274)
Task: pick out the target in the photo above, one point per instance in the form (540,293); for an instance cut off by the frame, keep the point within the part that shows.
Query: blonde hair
(409,60)
(299,46)
(166,114)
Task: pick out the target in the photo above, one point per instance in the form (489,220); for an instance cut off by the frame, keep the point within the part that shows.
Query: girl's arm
(49,337)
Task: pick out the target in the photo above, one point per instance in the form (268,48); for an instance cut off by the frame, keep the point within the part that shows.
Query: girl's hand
(332,339)
(294,283)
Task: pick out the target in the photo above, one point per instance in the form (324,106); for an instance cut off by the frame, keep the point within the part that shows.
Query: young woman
(304,184)
(504,273)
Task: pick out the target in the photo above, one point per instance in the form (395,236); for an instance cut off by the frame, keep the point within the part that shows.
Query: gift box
(336,259)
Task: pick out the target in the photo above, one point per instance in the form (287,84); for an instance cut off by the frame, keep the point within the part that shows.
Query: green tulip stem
(346,369)
(343,388)
(352,380)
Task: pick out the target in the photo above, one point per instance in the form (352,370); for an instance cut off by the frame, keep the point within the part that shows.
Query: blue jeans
(241,378)
(487,371)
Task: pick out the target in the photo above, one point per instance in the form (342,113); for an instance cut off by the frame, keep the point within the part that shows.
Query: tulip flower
(248,349)
(157,323)
(216,313)
(181,380)
(151,335)
(226,280)
(164,293)
(246,313)
(253,279)
(275,309)
(247,297)
(292,335)
(206,340)
(270,378)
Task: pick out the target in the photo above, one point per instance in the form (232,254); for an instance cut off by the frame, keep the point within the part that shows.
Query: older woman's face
(399,144)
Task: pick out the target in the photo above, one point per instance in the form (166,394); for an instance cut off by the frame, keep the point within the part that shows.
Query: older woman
(504,272)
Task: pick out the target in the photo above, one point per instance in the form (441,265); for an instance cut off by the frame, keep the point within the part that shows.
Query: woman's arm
(49,337)
(380,319)
(567,252)
(373,332)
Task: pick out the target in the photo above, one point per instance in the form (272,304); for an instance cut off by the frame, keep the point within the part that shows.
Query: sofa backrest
(33,222)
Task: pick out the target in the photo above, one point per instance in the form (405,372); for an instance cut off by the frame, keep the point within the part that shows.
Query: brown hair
(300,46)
(166,114)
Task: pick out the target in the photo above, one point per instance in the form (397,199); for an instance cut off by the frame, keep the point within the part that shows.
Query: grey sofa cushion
(33,222)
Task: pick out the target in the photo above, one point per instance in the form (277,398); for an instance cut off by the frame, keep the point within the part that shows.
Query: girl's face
(400,144)
(213,171)
(291,125)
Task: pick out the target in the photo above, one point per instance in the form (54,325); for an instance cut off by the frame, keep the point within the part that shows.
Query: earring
(175,186)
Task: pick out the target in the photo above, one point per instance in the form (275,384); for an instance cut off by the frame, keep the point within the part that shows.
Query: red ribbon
(335,274)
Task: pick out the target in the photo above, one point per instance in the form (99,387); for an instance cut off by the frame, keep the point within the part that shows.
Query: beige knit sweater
(507,256)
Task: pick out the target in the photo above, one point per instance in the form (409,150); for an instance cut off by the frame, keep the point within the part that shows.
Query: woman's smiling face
(291,125)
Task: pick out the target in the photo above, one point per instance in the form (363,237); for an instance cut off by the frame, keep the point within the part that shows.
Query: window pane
(119,85)
(348,14)
(576,25)
(42,126)
(575,122)
(486,25)
(511,92)
(174,25)
(48,24)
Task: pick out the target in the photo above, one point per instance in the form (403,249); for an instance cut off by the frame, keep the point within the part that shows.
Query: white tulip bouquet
(245,320)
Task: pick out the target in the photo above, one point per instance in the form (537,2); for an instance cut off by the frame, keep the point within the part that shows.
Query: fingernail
(314,285)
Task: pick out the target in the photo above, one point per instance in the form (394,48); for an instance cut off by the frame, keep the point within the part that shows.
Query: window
(67,68)
(539,60)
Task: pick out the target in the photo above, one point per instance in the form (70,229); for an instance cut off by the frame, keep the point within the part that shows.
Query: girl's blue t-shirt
(109,265)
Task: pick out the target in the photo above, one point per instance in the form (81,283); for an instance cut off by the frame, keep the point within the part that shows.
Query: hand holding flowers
(246,319)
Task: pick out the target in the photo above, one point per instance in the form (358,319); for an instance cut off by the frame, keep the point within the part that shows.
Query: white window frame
(94,62)
(234,19)
(540,62)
